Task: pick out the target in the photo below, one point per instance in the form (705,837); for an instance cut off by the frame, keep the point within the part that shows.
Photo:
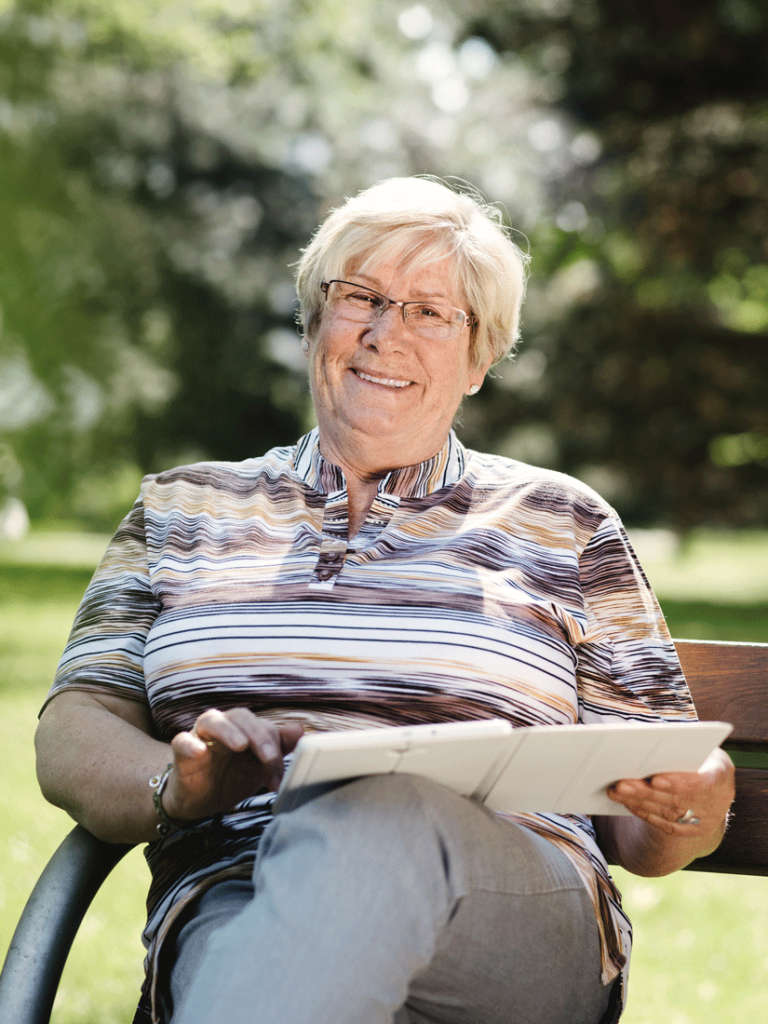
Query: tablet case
(563,769)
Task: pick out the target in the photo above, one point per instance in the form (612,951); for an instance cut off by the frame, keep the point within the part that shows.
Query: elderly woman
(374,573)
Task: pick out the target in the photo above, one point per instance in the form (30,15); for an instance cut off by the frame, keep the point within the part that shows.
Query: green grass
(102,977)
(701,948)
(38,599)
(701,941)
(703,620)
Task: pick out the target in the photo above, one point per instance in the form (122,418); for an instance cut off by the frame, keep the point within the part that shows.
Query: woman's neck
(360,497)
(364,467)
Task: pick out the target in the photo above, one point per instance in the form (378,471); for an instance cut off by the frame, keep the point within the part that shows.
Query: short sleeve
(627,663)
(105,651)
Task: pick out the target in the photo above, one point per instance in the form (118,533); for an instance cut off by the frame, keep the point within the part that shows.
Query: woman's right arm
(96,755)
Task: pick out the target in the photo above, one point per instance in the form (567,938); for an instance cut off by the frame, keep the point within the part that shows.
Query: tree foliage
(655,383)
(162,163)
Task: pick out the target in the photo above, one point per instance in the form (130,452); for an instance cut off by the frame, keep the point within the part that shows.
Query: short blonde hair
(422,220)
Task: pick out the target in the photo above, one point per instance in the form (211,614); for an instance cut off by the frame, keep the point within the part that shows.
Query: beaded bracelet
(158,783)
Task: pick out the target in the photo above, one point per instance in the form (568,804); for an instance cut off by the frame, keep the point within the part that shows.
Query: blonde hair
(423,220)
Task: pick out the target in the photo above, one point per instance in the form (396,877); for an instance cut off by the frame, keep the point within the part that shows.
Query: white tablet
(456,754)
(559,768)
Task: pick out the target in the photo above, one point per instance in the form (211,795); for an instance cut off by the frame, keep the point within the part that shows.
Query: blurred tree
(653,366)
(161,165)
(164,163)
(139,265)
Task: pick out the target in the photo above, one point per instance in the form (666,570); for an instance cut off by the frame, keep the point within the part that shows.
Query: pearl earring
(474,388)
(305,344)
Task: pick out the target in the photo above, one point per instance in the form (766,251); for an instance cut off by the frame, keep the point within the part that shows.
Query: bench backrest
(729,683)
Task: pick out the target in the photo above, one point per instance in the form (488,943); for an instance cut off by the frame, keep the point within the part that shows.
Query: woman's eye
(372,300)
(427,312)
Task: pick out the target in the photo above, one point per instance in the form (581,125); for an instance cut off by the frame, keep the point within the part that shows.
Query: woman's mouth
(387,382)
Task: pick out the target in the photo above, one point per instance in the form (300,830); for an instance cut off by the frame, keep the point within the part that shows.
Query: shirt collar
(442,470)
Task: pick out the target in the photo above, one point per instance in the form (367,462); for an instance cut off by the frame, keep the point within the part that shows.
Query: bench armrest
(49,923)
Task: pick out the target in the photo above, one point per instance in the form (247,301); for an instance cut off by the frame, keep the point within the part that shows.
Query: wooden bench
(729,682)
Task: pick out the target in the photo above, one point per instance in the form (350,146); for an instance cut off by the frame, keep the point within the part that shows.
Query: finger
(667,825)
(690,796)
(687,822)
(190,775)
(628,791)
(224,727)
(269,739)
(196,734)
(262,736)
(661,816)
(676,792)
(239,730)
(640,798)
(189,746)
(290,734)
(712,787)
(675,783)
(665,815)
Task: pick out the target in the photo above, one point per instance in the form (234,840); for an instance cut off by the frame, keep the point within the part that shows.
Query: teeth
(387,381)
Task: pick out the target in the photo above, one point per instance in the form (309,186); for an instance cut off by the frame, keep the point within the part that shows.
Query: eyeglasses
(427,319)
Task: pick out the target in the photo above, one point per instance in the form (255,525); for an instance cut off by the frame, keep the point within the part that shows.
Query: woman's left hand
(678,816)
(663,800)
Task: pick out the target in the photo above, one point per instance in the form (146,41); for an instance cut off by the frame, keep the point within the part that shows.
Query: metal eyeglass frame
(469,318)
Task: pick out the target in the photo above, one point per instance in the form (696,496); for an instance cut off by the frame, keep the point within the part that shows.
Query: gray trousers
(391,900)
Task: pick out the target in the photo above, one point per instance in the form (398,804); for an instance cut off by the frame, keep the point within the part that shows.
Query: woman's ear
(478,378)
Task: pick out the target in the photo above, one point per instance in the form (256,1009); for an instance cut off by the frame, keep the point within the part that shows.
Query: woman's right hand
(226,757)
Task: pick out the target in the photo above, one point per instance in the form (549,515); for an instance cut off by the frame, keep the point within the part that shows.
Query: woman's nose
(387,329)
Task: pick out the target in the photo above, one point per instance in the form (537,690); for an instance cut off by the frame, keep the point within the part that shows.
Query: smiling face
(384,396)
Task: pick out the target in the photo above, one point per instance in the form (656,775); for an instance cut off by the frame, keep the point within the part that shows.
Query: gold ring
(196,734)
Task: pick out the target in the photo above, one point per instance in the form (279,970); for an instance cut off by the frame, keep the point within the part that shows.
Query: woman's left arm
(652,841)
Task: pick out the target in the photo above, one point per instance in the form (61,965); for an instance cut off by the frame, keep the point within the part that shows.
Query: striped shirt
(478,587)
